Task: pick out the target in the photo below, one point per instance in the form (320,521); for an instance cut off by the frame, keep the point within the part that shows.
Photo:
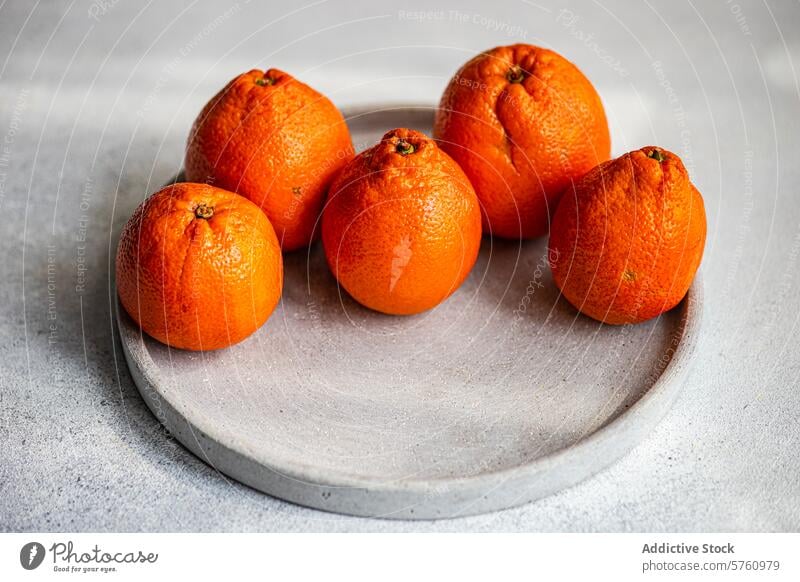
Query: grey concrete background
(95,103)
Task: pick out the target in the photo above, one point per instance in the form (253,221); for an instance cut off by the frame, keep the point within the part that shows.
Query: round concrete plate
(501,395)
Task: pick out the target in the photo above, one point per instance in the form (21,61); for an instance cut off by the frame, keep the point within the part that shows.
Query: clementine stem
(204,211)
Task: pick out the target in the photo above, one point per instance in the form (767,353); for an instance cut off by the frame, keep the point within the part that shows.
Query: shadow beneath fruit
(309,284)
(508,277)
(514,276)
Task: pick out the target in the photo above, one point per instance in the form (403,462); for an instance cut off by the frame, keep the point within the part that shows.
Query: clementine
(276,141)
(522,122)
(627,240)
(402,225)
(198,268)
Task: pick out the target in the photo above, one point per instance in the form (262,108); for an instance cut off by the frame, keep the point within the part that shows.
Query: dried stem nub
(404,148)
(515,74)
(204,211)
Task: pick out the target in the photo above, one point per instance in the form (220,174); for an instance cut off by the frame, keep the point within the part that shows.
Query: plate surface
(501,395)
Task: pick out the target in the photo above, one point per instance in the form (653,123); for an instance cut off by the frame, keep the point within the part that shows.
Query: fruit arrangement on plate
(520,149)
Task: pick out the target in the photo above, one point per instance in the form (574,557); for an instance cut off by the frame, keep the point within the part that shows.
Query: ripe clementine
(627,240)
(199,268)
(522,122)
(402,225)
(276,141)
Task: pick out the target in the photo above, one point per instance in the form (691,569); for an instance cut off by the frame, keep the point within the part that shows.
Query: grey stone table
(95,102)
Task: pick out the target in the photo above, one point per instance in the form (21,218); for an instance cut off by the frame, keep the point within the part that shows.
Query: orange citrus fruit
(522,122)
(276,141)
(402,225)
(198,268)
(627,240)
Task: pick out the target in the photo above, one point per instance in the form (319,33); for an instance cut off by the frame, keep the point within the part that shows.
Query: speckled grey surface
(93,116)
